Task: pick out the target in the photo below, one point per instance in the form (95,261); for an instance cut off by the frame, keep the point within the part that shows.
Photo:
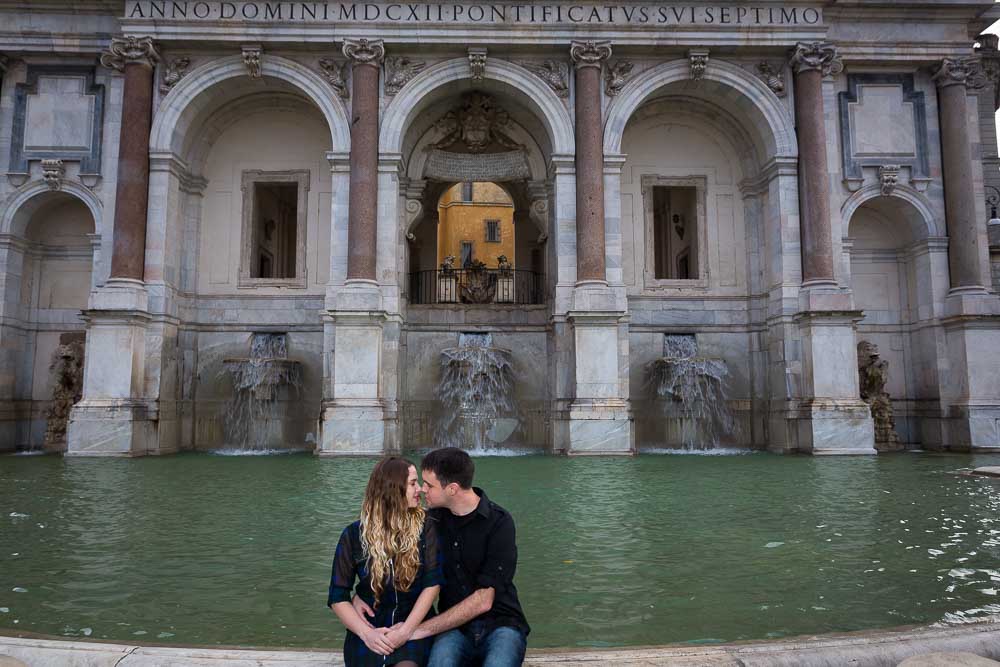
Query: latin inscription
(741,15)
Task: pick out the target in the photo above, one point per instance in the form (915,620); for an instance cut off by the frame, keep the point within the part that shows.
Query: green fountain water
(201,549)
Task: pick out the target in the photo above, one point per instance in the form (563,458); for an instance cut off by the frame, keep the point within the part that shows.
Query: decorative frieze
(554,73)
(773,76)
(699,62)
(816,56)
(364,51)
(398,72)
(589,54)
(252,54)
(966,72)
(888,176)
(477,63)
(130,49)
(335,73)
(617,76)
(173,71)
(53,172)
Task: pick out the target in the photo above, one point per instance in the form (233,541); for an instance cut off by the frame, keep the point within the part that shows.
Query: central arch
(416,95)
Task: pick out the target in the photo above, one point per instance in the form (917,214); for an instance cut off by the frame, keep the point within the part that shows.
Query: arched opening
(890,259)
(477,246)
(249,225)
(56,279)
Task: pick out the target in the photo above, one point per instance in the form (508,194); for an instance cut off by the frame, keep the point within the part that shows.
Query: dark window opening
(275,226)
(675,233)
(467,257)
(493,231)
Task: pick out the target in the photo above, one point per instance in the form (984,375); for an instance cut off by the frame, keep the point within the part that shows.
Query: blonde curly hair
(390,530)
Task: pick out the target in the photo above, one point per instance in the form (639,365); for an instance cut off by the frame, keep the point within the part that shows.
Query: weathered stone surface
(959,659)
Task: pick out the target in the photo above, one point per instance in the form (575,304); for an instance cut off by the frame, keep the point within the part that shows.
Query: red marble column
(362,225)
(810,63)
(590,260)
(136,57)
(952,78)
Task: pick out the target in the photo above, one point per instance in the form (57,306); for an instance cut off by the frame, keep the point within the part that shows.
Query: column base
(974,428)
(835,427)
(357,429)
(600,428)
(112,428)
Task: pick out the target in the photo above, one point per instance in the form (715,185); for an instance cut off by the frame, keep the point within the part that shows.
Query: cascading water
(477,395)
(692,393)
(252,419)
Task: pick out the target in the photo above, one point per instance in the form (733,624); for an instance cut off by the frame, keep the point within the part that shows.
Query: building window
(467,256)
(467,191)
(674,226)
(274,225)
(492,231)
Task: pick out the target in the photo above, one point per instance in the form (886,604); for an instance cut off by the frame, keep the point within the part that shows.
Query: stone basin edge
(868,648)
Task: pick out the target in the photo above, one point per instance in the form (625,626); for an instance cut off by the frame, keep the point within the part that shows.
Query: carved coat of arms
(477,125)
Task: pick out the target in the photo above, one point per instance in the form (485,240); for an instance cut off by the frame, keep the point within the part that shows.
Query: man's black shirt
(480,551)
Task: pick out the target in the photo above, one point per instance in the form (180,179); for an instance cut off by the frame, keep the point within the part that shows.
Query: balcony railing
(477,286)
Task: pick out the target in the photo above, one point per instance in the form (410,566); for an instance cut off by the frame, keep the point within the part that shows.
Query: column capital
(589,54)
(967,71)
(130,49)
(820,56)
(364,51)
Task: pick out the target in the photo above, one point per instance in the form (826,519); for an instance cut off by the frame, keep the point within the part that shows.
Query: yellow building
(475,222)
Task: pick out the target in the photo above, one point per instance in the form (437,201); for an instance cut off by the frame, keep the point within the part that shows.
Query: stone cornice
(589,53)
(130,49)
(364,51)
(820,56)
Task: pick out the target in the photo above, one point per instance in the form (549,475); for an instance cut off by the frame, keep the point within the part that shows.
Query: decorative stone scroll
(364,51)
(816,56)
(888,176)
(251,58)
(772,76)
(477,63)
(398,72)
(335,73)
(590,53)
(699,62)
(966,72)
(173,71)
(616,77)
(495,167)
(555,74)
(130,49)
(52,173)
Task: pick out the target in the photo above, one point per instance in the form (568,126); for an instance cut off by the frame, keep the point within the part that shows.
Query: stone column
(960,198)
(356,419)
(970,396)
(135,57)
(588,58)
(598,420)
(810,63)
(824,413)
(116,417)
(366,57)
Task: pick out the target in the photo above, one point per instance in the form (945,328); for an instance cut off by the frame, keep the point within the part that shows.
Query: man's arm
(476,604)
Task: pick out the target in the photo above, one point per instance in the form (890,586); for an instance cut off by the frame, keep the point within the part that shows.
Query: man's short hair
(450,464)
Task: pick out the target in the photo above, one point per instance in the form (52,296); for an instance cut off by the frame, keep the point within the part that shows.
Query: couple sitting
(462,548)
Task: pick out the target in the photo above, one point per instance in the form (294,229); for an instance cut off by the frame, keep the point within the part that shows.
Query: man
(480,619)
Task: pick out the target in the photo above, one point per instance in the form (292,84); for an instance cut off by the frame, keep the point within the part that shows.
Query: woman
(395,556)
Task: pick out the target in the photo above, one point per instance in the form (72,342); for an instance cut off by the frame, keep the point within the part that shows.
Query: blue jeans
(504,647)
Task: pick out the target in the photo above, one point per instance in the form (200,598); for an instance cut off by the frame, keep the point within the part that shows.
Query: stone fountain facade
(834,188)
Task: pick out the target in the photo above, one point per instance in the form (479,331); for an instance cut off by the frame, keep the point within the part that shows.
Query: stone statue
(448,264)
(503,264)
(873,374)
(67,372)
